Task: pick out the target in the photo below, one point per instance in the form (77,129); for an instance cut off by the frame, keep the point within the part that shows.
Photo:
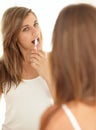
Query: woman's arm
(40,61)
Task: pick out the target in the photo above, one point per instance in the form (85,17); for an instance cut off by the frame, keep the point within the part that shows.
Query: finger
(35,65)
(37,57)
(37,61)
(39,53)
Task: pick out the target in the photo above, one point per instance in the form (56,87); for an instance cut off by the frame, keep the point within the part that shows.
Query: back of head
(73,59)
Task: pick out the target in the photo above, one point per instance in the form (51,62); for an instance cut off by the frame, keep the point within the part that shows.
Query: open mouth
(35,41)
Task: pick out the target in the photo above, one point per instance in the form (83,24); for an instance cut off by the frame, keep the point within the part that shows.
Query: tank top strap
(71,117)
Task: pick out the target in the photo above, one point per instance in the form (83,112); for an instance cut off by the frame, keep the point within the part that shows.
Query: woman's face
(30,34)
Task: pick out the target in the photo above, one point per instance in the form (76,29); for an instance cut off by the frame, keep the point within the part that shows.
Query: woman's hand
(39,61)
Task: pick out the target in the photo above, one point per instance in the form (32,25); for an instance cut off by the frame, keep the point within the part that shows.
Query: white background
(47,12)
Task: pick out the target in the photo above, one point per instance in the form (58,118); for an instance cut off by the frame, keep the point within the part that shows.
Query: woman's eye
(26,29)
(36,24)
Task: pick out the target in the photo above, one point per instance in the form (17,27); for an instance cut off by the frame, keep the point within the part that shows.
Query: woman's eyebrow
(24,26)
(28,24)
(35,21)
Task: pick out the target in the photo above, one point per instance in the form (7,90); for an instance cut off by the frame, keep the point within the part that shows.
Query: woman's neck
(28,71)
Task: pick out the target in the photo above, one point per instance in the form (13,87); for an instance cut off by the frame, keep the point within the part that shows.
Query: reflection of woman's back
(26,93)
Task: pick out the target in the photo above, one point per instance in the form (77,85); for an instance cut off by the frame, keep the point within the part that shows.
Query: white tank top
(25,105)
(71,117)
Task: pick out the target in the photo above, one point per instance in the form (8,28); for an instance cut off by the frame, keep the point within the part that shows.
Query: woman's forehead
(29,19)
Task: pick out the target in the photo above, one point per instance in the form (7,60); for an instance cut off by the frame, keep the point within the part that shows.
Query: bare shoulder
(51,118)
(55,118)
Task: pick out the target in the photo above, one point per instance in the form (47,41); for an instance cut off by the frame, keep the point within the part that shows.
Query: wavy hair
(11,62)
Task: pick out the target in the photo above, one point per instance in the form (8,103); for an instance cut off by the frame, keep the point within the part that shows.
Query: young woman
(26,92)
(73,66)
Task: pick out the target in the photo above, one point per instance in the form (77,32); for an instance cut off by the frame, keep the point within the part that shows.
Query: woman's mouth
(35,41)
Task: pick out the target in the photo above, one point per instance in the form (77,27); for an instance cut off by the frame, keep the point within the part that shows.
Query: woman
(73,66)
(26,93)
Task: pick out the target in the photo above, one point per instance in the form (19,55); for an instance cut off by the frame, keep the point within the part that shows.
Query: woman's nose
(33,29)
(34,32)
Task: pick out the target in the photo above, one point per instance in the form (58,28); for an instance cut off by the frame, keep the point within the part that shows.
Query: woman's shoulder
(50,117)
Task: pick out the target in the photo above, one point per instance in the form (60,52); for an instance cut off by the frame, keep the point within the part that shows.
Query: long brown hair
(11,62)
(73,59)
